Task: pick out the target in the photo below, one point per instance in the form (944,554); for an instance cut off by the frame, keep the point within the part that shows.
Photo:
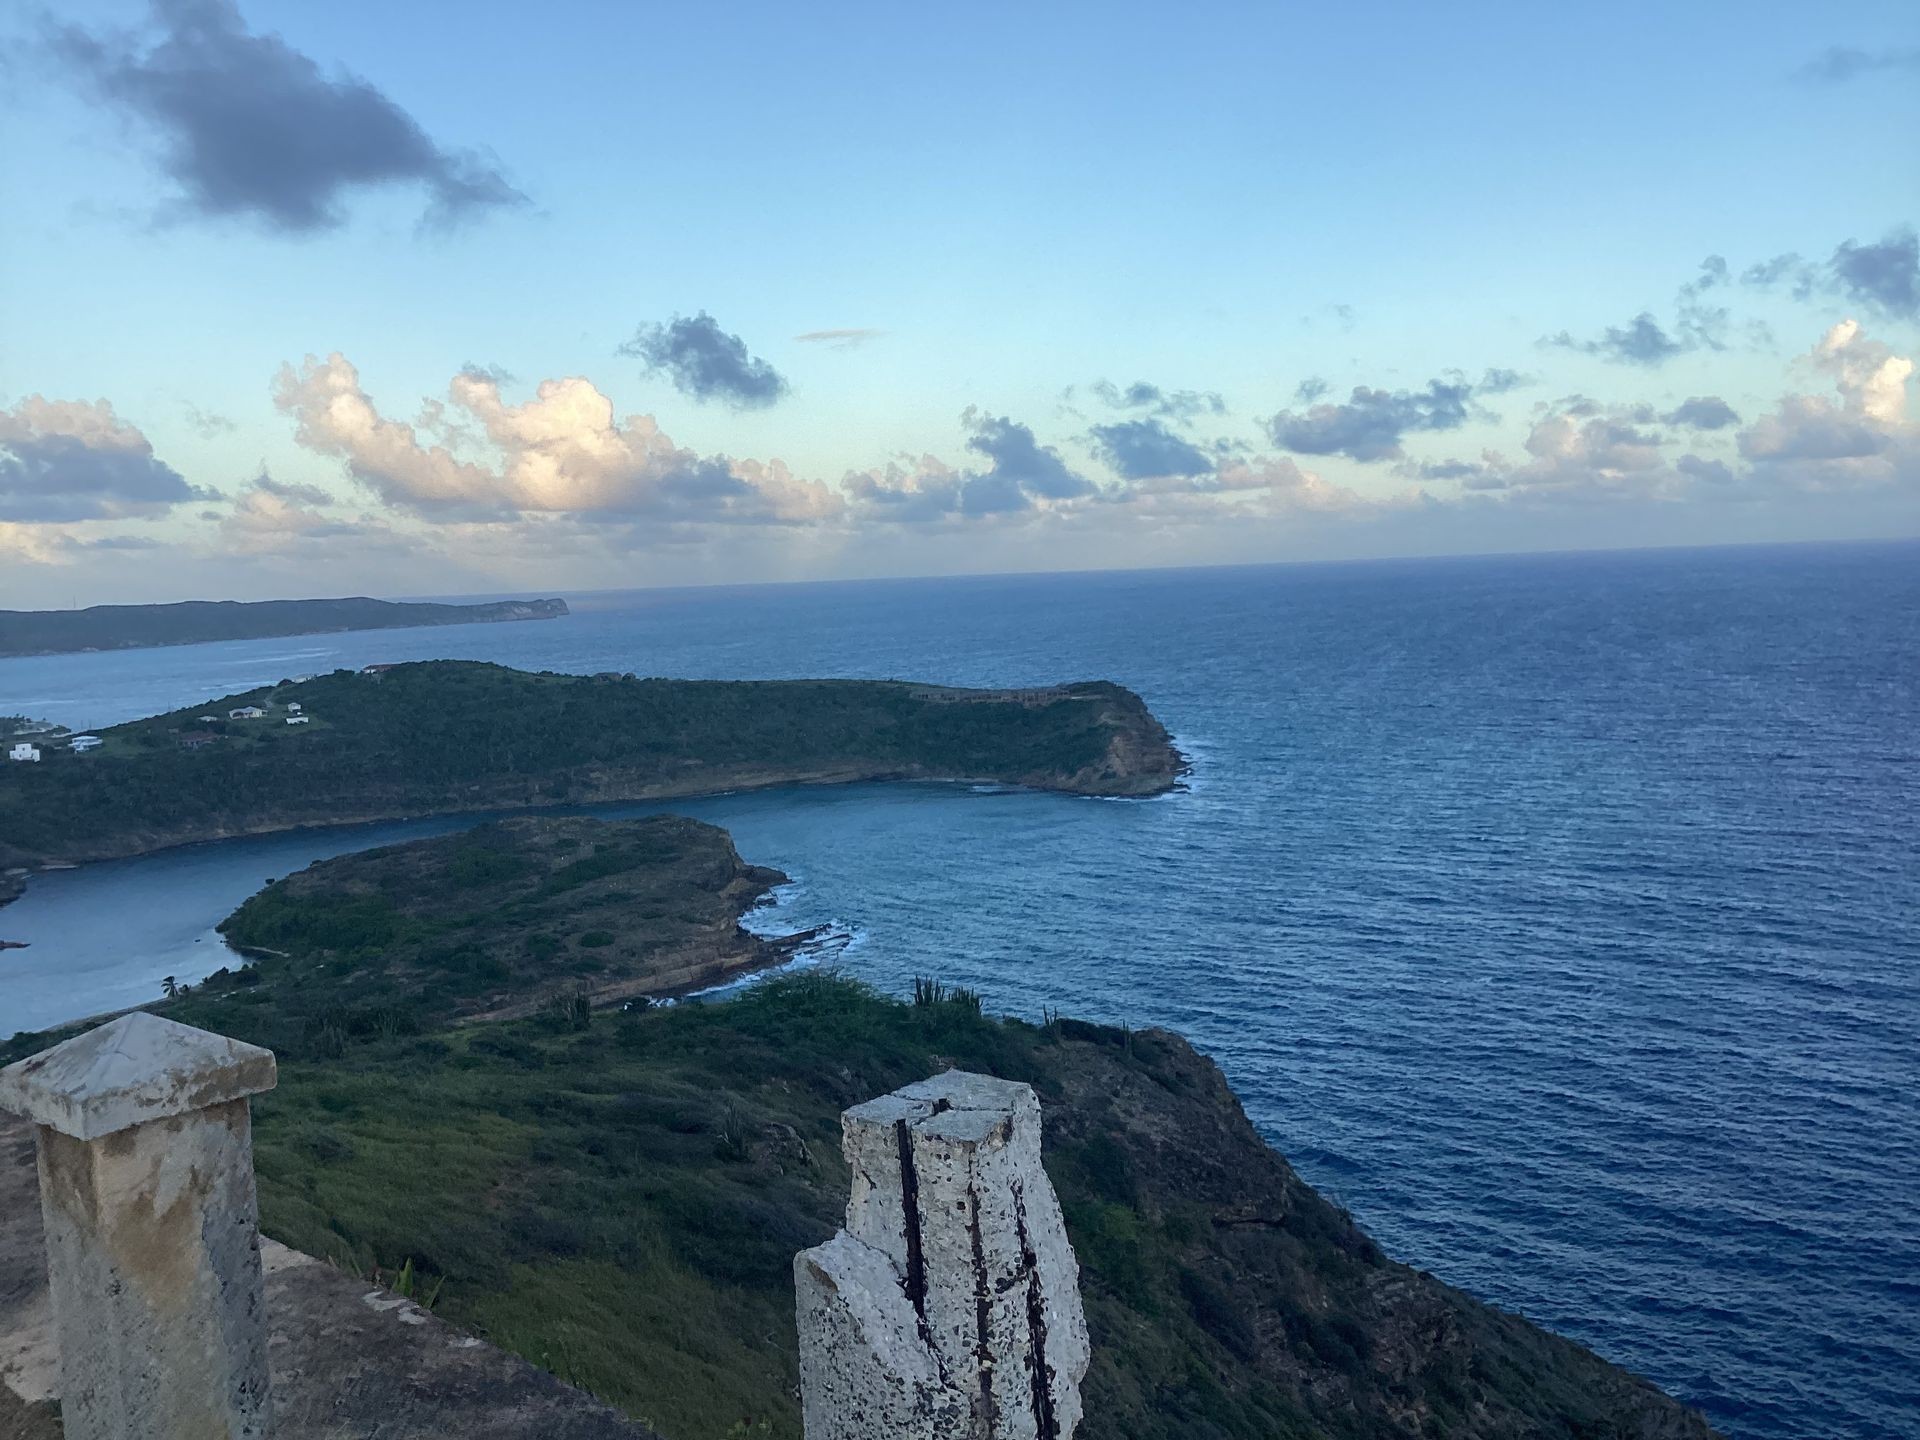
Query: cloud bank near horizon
(481,480)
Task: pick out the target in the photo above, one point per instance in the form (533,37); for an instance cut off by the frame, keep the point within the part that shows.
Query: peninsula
(191,622)
(617,1194)
(445,737)
(505,919)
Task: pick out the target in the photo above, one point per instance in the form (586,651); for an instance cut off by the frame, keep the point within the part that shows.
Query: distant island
(444,737)
(617,1191)
(193,622)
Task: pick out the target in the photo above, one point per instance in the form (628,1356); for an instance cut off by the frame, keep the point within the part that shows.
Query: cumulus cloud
(704,361)
(1842,63)
(1702,412)
(1180,405)
(249,126)
(1022,469)
(67,460)
(1860,437)
(1883,276)
(1022,475)
(1371,423)
(1144,449)
(281,518)
(1576,451)
(564,451)
(1857,438)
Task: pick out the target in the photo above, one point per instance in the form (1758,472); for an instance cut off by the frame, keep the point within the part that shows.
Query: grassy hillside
(618,1197)
(447,736)
(618,1194)
(499,920)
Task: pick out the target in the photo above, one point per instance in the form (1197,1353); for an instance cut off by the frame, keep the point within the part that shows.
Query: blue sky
(1394,258)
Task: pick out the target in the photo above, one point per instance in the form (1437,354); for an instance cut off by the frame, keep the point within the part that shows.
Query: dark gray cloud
(707,363)
(1699,324)
(1371,423)
(61,478)
(1148,450)
(1842,63)
(1713,472)
(1181,405)
(1310,390)
(1640,342)
(1886,275)
(62,461)
(1472,474)
(249,126)
(1883,276)
(1702,412)
(1020,463)
(1021,471)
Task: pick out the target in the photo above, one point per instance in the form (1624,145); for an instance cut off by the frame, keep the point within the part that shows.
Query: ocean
(1559,916)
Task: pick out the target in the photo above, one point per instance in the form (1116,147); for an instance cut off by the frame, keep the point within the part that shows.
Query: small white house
(84,743)
(24,751)
(294,708)
(247,712)
(297,719)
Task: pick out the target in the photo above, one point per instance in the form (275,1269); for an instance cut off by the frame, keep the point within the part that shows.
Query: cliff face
(1304,1326)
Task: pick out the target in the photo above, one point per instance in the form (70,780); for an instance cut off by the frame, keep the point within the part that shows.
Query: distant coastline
(430,738)
(195,622)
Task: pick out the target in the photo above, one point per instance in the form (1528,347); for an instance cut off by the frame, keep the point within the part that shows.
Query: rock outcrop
(949,1307)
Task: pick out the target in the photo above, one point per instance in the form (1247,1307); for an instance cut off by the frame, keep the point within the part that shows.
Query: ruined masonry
(949,1306)
(145,1148)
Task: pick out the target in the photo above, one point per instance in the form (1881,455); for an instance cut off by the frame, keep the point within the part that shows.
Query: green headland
(617,1192)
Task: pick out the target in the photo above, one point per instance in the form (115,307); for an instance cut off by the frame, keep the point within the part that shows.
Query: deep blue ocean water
(1560,916)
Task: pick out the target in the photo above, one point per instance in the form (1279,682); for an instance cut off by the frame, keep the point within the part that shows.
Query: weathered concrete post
(949,1307)
(153,1235)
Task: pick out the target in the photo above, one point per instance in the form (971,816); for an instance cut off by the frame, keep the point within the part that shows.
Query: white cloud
(1858,438)
(562,452)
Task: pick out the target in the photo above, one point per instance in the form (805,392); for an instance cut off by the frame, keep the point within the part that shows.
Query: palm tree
(169,987)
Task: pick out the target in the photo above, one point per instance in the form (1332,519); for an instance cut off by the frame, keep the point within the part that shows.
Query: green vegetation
(122,627)
(620,1200)
(499,920)
(450,736)
(618,1194)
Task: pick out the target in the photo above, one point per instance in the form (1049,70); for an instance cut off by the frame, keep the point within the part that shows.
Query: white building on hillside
(24,751)
(247,712)
(84,743)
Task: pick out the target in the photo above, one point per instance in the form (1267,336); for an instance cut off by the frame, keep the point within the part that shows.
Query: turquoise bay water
(1558,915)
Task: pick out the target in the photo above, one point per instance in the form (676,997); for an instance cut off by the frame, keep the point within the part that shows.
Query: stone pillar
(949,1307)
(153,1234)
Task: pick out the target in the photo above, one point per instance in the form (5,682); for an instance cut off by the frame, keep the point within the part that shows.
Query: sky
(456,299)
